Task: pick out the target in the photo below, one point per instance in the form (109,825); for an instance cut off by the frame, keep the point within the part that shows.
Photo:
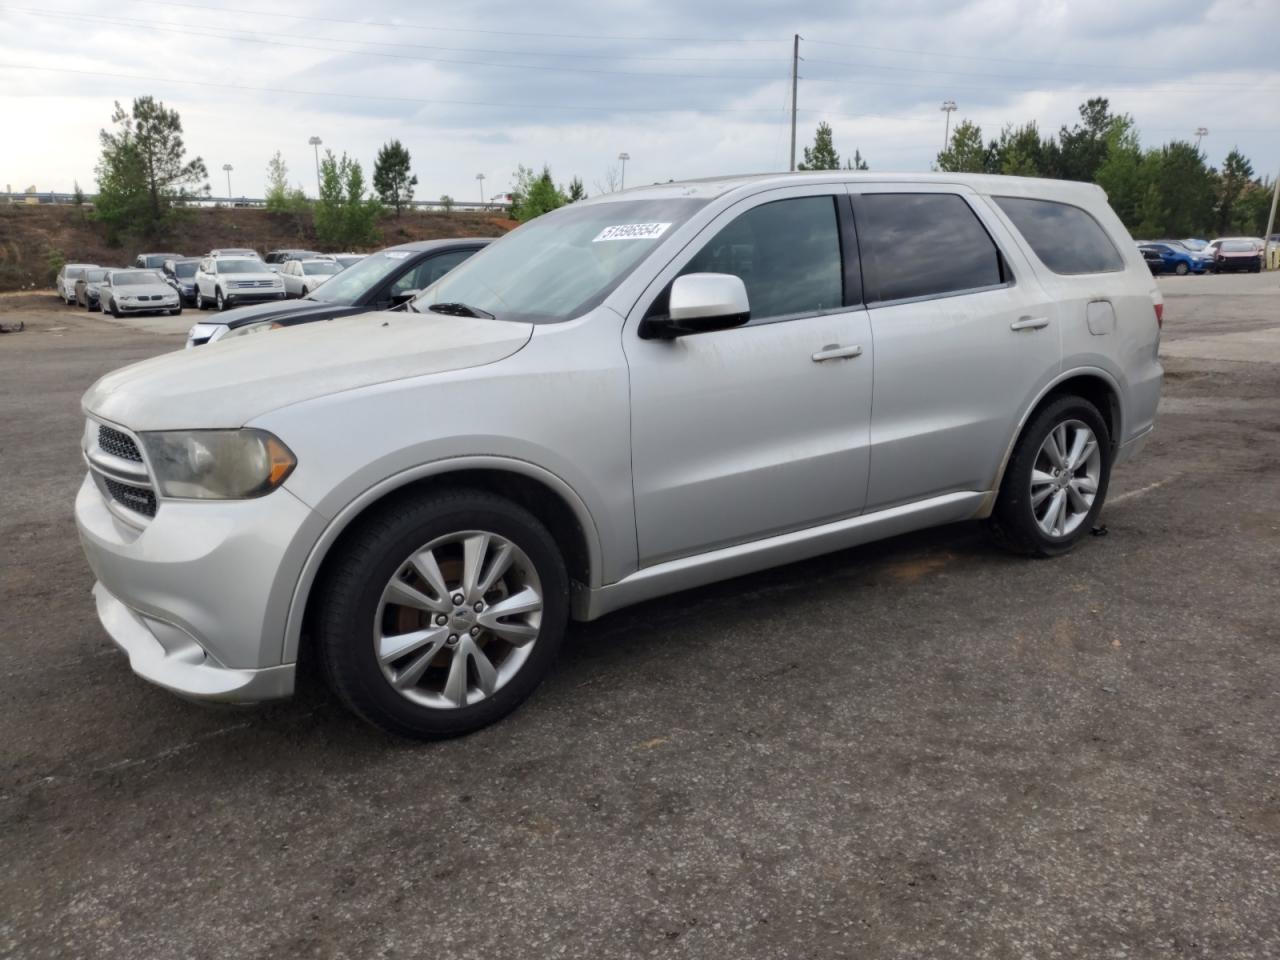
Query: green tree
(143,168)
(1083,149)
(1235,178)
(1019,152)
(446,201)
(1124,174)
(277,184)
(857,163)
(345,215)
(392,177)
(966,152)
(77,195)
(1186,188)
(534,194)
(822,155)
(576,190)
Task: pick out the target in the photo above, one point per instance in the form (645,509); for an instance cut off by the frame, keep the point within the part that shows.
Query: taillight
(1159,316)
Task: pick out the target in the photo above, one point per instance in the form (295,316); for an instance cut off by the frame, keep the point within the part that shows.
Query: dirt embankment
(36,239)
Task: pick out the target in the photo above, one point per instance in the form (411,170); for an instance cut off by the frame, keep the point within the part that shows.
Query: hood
(229,384)
(257,311)
(143,290)
(256,276)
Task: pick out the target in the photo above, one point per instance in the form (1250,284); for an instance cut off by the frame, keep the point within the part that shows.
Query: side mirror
(699,303)
(404,296)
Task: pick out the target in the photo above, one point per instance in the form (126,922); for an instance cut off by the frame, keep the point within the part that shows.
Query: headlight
(218,464)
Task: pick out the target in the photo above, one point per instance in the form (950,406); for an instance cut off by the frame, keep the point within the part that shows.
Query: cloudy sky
(687,89)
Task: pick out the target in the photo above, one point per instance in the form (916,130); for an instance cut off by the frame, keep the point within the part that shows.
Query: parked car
(181,275)
(234,252)
(348,259)
(65,282)
(137,291)
(633,395)
(280,257)
(301,277)
(227,280)
(378,282)
(154,261)
(1177,258)
(1235,253)
(1153,257)
(87,287)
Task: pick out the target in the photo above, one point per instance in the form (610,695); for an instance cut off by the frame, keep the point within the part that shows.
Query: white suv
(633,395)
(230,280)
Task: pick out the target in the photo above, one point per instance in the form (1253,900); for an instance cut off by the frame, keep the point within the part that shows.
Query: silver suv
(633,395)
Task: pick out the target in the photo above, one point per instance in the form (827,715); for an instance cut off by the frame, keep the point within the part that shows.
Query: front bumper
(241,297)
(149,306)
(198,596)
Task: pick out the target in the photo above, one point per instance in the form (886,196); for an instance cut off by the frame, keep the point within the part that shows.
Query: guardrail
(53,197)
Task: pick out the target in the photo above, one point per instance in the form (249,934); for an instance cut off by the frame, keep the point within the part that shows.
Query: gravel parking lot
(920,748)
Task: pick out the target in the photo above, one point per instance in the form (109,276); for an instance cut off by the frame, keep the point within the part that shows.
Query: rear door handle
(1029,323)
(833,351)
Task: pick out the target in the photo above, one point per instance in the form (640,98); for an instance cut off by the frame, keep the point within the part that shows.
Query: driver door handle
(833,351)
(1029,323)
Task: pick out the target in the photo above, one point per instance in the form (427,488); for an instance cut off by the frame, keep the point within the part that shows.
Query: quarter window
(787,253)
(1066,239)
(924,245)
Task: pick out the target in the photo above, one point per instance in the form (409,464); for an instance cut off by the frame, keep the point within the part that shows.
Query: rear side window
(924,245)
(787,253)
(1065,238)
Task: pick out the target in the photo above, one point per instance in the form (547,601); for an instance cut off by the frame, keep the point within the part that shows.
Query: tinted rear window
(1065,238)
(1238,246)
(924,245)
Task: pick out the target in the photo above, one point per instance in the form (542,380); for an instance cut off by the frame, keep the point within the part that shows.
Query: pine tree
(822,155)
(392,177)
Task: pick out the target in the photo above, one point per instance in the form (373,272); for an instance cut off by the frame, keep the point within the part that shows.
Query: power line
(311,18)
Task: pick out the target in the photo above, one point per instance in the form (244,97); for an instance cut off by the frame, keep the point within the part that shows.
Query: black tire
(219,302)
(352,585)
(1013,522)
(176,311)
(1182,269)
(115,311)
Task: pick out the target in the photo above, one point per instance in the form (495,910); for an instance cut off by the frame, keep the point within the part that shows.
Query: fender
(343,518)
(989,503)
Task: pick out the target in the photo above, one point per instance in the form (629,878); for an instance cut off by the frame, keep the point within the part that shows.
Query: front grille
(118,444)
(252,284)
(138,499)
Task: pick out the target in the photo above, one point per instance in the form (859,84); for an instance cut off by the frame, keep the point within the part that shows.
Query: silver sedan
(137,291)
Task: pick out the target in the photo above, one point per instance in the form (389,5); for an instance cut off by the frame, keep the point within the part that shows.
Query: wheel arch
(545,495)
(1093,384)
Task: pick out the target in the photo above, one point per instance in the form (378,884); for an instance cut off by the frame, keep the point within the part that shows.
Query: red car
(1234,254)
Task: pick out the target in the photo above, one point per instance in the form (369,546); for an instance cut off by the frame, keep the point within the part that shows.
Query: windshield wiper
(460,310)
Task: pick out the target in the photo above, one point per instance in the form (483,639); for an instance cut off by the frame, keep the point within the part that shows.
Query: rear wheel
(1056,482)
(440,616)
(1182,269)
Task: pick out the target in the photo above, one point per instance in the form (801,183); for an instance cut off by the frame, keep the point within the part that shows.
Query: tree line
(1165,191)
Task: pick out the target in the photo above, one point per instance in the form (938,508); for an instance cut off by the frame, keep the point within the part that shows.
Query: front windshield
(561,264)
(132,278)
(242,266)
(351,284)
(321,268)
(187,269)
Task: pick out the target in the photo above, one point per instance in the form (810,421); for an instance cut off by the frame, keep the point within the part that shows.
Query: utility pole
(1200,133)
(948,107)
(315,142)
(1271,225)
(795,78)
(624,157)
(228,168)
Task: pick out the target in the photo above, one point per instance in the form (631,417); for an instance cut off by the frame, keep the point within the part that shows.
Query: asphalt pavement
(922,748)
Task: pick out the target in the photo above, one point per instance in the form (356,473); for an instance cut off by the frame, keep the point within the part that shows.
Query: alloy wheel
(1065,478)
(458,619)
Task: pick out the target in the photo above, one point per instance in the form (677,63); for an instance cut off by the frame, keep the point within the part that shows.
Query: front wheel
(1056,481)
(115,310)
(200,304)
(441,615)
(1182,269)
(218,301)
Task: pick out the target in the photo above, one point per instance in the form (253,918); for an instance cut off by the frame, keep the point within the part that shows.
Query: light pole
(480,178)
(948,107)
(228,168)
(315,142)
(1200,132)
(622,182)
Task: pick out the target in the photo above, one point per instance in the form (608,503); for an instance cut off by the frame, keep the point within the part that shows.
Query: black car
(87,287)
(1155,262)
(378,282)
(284,256)
(181,275)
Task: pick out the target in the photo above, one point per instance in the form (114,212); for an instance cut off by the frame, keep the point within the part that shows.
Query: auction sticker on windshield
(632,231)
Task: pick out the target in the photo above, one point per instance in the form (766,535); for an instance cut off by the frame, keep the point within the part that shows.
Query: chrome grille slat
(118,444)
(115,460)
